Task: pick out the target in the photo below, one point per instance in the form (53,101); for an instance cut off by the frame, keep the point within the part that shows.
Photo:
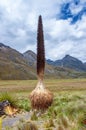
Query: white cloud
(18,27)
(66,39)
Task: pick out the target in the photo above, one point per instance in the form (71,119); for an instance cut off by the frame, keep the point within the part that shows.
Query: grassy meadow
(68,111)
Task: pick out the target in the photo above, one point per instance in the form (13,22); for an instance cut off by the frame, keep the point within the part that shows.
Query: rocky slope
(14,65)
(69,62)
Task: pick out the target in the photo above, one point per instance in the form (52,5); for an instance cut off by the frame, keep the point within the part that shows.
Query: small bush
(27,126)
(10,97)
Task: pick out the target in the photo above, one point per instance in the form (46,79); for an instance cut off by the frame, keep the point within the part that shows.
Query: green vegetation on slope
(68,111)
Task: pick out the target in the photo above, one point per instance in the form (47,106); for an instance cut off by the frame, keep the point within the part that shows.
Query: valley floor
(52,84)
(68,111)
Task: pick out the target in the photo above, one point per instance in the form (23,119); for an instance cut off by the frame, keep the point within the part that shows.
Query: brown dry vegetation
(53,84)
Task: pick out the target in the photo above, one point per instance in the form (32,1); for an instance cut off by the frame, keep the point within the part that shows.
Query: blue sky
(64,24)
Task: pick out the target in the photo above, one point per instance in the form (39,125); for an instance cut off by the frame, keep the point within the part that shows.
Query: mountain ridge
(14,65)
(69,62)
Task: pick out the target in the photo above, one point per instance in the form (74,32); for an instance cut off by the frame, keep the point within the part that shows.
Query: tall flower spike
(40,97)
(40,50)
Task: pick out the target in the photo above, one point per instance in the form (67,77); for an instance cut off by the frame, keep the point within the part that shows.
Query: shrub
(10,97)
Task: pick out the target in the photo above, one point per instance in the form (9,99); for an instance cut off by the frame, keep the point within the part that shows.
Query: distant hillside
(85,63)
(14,65)
(31,57)
(69,62)
(53,71)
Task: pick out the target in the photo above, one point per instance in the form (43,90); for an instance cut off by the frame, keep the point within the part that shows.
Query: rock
(3,104)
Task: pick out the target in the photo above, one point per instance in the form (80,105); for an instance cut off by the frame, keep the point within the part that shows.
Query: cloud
(64,26)
(66,39)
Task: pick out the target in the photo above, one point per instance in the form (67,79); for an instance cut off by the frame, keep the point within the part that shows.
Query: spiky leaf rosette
(40,50)
(40,97)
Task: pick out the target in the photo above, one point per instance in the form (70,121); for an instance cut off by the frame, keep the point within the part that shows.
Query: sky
(64,25)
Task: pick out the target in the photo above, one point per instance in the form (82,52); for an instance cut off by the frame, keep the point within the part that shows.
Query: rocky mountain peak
(2,45)
(69,62)
(30,56)
(68,57)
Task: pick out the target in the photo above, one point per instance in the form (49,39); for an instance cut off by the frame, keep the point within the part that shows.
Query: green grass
(10,97)
(24,104)
(29,125)
(68,111)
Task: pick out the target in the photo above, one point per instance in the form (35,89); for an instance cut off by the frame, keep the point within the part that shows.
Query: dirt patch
(11,121)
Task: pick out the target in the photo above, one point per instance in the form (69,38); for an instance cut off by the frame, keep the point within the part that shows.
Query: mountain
(50,62)
(31,57)
(13,64)
(51,70)
(69,62)
(85,63)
